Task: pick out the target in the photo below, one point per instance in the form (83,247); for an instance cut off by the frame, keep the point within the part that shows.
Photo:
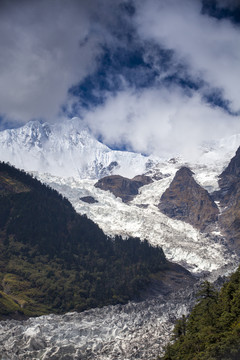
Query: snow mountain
(67,150)
(69,159)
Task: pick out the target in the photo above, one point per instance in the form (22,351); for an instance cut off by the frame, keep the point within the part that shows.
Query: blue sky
(145,76)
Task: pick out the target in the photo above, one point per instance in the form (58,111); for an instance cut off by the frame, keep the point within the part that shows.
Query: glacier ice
(68,158)
(141,218)
(137,330)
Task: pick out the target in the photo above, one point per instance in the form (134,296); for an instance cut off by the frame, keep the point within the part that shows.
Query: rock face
(123,187)
(89,199)
(229,197)
(229,179)
(187,201)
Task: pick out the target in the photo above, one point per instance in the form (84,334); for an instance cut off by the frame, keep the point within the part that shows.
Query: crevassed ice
(141,218)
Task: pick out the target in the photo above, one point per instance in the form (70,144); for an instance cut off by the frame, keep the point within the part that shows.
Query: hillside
(212,330)
(54,260)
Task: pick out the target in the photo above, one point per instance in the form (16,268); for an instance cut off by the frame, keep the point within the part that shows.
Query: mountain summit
(186,200)
(67,150)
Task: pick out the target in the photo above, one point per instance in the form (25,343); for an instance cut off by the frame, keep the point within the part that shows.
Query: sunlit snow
(70,160)
(141,218)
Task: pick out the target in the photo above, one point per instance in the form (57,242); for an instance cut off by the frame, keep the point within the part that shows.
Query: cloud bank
(209,47)
(160,122)
(151,76)
(46,46)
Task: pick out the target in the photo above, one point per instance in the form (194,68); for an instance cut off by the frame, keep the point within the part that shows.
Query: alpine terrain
(189,209)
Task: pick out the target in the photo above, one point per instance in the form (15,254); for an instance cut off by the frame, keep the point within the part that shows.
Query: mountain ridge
(65,149)
(228,196)
(54,260)
(140,218)
(206,254)
(186,200)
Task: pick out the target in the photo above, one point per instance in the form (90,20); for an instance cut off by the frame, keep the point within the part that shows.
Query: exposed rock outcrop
(229,179)
(229,197)
(89,199)
(186,200)
(123,187)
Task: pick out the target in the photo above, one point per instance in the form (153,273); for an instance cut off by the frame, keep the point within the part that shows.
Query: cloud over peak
(209,47)
(164,122)
(150,76)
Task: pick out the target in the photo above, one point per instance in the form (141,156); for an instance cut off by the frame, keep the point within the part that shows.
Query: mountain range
(54,260)
(66,150)
(69,159)
(189,208)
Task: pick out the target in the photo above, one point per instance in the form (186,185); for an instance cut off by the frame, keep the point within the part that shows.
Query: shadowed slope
(54,260)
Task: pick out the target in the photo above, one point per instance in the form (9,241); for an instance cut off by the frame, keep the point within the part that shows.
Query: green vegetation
(212,331)
(54,260)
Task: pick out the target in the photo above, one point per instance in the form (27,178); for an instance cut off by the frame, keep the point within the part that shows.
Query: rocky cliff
(229,179)
(186,200)
(229,197)
(123,187)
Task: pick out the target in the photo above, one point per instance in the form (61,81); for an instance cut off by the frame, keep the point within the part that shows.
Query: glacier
(181,242)
(137,330)
(69,159)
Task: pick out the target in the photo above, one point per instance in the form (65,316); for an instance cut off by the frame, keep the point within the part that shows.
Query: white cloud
(46,46)
(210,47)
(162,122)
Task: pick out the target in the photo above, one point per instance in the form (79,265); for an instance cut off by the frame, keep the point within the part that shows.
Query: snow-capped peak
(66,149)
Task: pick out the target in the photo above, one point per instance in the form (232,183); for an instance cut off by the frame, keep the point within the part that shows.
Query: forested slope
(212,331)
(54,260)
